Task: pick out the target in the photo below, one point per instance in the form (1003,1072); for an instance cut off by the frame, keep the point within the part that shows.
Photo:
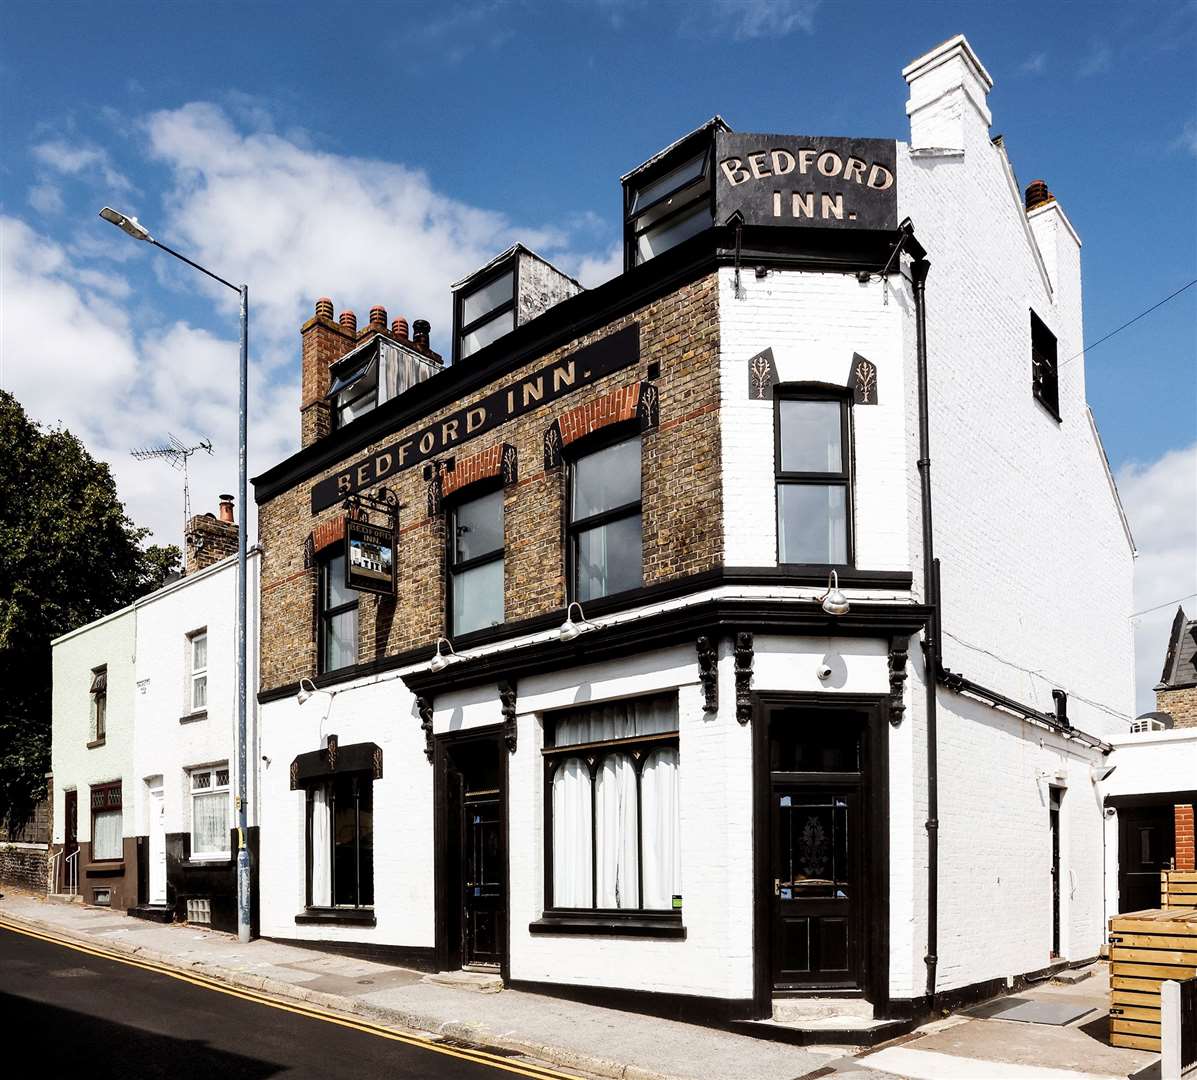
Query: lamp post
(135,229)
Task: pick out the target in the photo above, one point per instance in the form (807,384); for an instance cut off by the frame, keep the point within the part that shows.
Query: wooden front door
(70,834)
(482,875)
(817,781)
(1145,847)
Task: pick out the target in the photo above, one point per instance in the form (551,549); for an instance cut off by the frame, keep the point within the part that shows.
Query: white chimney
(948,88)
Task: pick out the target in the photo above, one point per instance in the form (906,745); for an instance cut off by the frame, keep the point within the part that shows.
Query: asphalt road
(78,1014)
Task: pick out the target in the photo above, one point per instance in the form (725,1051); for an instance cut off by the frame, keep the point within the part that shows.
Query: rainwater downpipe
(919,269)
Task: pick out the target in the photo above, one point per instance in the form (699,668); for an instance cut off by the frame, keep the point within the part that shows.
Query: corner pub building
(680,698)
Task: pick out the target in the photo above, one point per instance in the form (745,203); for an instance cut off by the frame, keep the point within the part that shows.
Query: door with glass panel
(816,789)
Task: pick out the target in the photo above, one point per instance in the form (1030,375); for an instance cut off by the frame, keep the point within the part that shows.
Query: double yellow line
(480,1057)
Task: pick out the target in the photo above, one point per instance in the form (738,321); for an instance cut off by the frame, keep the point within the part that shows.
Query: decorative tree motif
(760,376)
(812,849)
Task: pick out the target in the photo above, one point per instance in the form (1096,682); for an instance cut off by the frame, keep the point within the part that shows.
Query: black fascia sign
(806,180)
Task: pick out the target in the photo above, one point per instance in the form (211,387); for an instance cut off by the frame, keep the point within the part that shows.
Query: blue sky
(376,151)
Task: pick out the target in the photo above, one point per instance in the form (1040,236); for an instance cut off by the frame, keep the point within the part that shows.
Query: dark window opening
(814,481)
(337,616)
(611,805)
(476,564)
(355,391)
(107,833)
(1045,376)
(668,208)
(99,704)
(486,312)
(604,522)
(340,842)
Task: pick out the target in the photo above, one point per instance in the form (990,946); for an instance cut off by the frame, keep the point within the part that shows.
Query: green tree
(68,554)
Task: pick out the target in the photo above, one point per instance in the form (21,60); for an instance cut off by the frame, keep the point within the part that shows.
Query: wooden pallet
(1147,947)
(1178,889)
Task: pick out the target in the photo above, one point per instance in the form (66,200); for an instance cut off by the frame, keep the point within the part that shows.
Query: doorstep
(826,1031)
(481,982)
(152,912)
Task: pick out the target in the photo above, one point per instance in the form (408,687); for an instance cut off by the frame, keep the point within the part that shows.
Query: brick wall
(681,499)
(23,865)
(1182,704)
(208,541)
(1186,857)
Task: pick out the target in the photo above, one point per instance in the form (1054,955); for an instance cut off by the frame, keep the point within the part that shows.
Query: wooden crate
(1147,947)
(1178,889)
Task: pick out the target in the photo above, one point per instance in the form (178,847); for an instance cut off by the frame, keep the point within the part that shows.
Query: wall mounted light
(572,627)
(1101,772)
(440,658)
(834,602)
(307,688)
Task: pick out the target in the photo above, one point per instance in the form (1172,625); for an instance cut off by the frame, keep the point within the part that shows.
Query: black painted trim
(596,925)
(812,575)
(337,917)
(583,313)
(1155,798)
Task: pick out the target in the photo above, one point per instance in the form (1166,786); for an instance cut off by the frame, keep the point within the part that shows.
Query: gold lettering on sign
(777,204)
(344,483)
(783,162)
(403,449)
(805,157)
(382,465)
(563,376)
(533,390)
(511,402)
(363,473)
(829,163)
(427,442)
(449,432)
(833,206)
(854,170)
(733,169)
(803,205)
(757,162)
(475,418)
(880,177)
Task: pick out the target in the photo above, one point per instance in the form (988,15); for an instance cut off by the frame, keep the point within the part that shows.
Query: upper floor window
(814,489)
(106,831)
(336,616)
(340,832)
(486,313)
(98,706)
(668,208)
(611,773)
(197,684)
(373,374)
(210,802)
(604,531)
(1045,377)
(476,563)
(355,390)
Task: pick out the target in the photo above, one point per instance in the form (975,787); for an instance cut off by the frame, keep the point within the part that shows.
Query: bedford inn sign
(572,372)
(805,180)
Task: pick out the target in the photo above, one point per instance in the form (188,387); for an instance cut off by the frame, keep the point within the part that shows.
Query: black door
(1145,846)
(1054,821)
(816,793)
(482,874)
(69,871)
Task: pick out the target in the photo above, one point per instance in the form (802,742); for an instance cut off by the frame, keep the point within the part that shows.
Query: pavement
(596,1042)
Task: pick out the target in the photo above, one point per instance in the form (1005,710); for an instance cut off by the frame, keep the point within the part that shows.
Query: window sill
(115,868)
(337,917)
(199,714)
(210,861)
(660,926)
(94,743)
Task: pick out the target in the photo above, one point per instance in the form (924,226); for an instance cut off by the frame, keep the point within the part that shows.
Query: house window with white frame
(197,681)
(210,812)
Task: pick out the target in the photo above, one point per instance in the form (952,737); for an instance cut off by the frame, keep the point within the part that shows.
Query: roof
(516,248)
(1180,665)
(716,123)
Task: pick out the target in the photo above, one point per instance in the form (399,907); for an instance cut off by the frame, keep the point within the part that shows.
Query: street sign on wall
(369,557)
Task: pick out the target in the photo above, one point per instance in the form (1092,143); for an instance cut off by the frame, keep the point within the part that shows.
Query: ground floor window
(611,775)
(210,812)
(106,831)
(340,825)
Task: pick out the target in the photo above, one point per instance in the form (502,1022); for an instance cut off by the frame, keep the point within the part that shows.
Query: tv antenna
(176,454)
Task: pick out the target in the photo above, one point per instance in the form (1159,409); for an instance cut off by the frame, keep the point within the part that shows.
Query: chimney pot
(420,331)
(378,317)
(349,321)
(1038,194)
(226,508)
(324,308)
(399,328)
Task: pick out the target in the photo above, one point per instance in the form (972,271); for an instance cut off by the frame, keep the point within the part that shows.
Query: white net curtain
(601,844)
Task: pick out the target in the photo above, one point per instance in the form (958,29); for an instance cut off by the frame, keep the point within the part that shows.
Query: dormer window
(355,391)
(670,198)
(487,313)
(372,374)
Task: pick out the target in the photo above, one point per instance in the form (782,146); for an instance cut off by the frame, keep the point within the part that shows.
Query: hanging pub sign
(369,557)
(806,180)
(573,372)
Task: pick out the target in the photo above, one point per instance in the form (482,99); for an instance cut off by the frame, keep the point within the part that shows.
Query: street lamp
(135,229)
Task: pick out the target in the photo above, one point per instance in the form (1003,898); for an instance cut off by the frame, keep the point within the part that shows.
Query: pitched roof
(1180,666)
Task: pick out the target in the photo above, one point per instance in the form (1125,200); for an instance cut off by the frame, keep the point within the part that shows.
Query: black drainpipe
(919,269)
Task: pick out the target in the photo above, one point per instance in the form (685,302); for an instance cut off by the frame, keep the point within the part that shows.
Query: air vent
(101,897)
(199,911)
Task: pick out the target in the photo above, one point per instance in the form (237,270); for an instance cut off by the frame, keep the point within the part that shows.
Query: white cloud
(1096,60)
(1034,64)
(766,18)
(78,159)
(1160,498)
(1187,139)
(46,198)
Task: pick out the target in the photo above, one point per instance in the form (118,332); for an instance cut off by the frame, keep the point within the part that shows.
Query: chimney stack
(420,331)
(209,538)
(1038,194)
(349,322)
(324,342)
(378,318)
(949,93)
(399,328)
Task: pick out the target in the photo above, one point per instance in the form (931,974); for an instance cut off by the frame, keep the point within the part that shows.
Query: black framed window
(354,391)
(340,842)
(476,563)
(1045,377)
(668,207)
(99,704)
(107,833)
(604,527)
(336,616)
(612,813)
(814,483)
(486,311)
